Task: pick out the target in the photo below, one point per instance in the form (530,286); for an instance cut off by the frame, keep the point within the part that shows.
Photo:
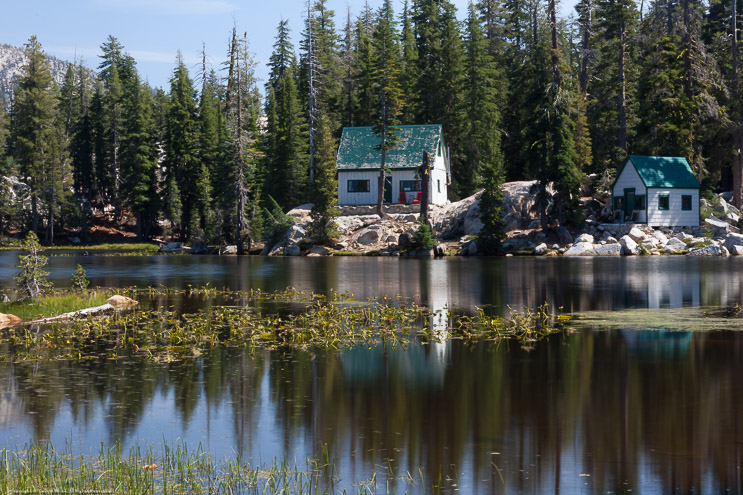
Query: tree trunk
(380,192)
(542,202)
(380,185)
(50,225)
(622,98)
(34,214)
(587,26)
(738,129)
(240,185)
(425,187)
(555,53)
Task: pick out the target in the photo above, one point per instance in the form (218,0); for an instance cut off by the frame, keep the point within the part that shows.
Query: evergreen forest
(522,94)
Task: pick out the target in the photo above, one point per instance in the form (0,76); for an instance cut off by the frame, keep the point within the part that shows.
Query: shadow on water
(602,409)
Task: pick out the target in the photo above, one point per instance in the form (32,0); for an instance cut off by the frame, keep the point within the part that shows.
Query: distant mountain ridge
(12,59)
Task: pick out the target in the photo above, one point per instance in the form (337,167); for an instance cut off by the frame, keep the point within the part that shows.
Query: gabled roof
(357,149)
(664,171)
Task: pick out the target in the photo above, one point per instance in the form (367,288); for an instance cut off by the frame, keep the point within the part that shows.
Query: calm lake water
(593,411)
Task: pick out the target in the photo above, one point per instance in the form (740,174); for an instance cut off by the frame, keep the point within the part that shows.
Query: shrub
(423,237)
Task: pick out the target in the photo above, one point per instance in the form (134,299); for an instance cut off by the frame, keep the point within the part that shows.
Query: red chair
(418,199)
(403,198)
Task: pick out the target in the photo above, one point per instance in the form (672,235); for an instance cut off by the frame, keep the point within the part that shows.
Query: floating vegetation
(40,468)
(685,319)
(286,318)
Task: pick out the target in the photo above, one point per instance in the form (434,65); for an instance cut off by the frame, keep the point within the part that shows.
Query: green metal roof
(357,149)
(672,172)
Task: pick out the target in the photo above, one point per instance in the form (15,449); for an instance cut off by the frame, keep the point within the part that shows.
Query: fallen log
(114,302)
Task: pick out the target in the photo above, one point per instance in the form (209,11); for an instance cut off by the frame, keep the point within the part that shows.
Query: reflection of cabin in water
(674,289)
(656,190)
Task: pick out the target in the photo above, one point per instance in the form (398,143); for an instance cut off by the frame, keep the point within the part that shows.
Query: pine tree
(4,133)
(389,94)
(212,136)
(118,73)
(409,69)
(286,169)
(34,111)
(243,156)
(325,190)
(612,97)
(364,75)
(320,73)
(349,74)
(181,153)
(139,159)
(441,72)
(81,147)
(483,153)
(31,280)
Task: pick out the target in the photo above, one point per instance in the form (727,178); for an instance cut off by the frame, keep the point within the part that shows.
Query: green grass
(39,468)
(53,304)
(140,246)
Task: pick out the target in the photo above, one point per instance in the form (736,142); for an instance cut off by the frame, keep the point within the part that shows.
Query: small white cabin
(657,191)
(359,162)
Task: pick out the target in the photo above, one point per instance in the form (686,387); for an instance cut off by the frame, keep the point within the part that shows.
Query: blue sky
(153,31)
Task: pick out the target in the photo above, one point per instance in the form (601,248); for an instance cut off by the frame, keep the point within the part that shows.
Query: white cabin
(359,164)
(657,191)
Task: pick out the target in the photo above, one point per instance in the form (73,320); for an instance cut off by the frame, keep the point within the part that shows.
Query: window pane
(358,186)
(410,185)
(686,202)
(639,202)
(663,202)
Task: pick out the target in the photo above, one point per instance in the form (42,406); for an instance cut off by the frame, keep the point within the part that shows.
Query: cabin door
(387,188)
(629,202)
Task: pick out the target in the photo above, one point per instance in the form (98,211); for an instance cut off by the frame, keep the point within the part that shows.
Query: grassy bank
(140,247)
(42,469)
(287,318)
(54,304)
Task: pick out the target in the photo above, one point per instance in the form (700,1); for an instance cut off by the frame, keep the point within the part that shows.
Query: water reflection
(575,284)
(634,410)
(600,410)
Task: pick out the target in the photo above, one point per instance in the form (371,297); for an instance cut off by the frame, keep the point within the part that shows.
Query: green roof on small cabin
(672,172)
(357,149)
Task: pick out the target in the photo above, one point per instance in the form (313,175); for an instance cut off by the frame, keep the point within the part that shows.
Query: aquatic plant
(287,318)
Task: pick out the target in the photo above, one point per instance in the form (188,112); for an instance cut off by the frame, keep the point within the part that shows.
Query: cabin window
(438,184)
(619,202)
(663,201)
(640,202)
(686,202)
(410,185)
(358,186)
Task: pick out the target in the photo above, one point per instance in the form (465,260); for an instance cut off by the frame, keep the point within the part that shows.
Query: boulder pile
(456,226)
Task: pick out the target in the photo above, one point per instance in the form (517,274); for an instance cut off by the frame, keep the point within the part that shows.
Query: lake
(601,409)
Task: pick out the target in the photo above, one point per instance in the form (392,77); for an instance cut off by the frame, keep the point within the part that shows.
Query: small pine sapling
(31,280)
(79,280)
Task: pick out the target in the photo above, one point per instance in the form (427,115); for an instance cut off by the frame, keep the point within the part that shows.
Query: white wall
(673,216)
(370,198)
(438,177)
(628,179)
(367,198)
